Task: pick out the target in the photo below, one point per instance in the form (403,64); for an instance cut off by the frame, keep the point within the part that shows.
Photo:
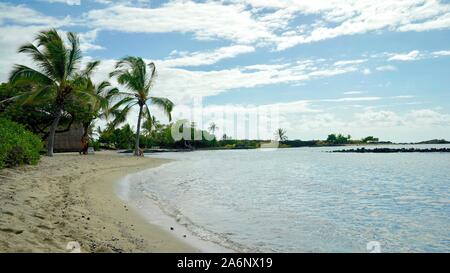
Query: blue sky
(356,67)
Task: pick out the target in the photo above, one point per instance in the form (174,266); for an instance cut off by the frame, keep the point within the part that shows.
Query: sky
(357,67)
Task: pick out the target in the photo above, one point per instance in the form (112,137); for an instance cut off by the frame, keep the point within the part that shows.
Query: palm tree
(56,77)
(280,134)
(133,74)
(213,127)
(150,125)
(98,108)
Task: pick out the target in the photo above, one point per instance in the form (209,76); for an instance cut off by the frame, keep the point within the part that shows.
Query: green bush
(17,145)
(95,144)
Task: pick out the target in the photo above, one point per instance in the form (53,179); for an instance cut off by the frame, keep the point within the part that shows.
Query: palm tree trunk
(138,131)
(53,127)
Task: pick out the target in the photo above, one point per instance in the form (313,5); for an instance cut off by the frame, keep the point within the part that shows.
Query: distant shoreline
(164,150)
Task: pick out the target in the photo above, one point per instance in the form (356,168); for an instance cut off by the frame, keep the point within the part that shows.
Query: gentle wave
(196,229)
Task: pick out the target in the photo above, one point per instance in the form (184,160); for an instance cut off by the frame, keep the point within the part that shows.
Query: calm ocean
(303,200)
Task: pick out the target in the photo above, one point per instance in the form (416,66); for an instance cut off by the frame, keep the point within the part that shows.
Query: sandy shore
(71,198)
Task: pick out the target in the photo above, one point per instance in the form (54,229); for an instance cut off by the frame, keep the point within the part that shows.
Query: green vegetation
(98,108)
(370,139)
(57,79)
(156,135)
(132,72)
(338,139)
(18,146)
(55,96)
(122,138)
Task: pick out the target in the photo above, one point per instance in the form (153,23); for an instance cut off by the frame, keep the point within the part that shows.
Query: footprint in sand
(10,230)
(44,227)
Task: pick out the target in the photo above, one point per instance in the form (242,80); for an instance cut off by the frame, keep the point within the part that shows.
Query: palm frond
(124,101)
(40,60)
(90,67)
(120,116)
(74,53)
(102,87)
(55,51)
(40,94)
(151,78)
(22,72)
(164,104)
(131,72)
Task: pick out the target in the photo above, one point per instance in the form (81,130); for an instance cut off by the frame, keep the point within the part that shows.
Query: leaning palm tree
(138,78)
(55,78)
(280,134)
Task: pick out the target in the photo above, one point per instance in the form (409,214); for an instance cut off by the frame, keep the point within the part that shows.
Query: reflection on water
(302,200)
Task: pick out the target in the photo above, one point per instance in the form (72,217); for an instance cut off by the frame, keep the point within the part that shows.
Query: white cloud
(347,17)
(20,24)
(441,53)
(22,15)
(68,2)
(366,71)
(386,68)
(440,22)
(183,85)
(411,56)
(207,58)
(12,38)
(379,119)
(87,40)
(429,117)
(414,118)
(403,97)
(259,23)
(353,99)
(271,22)
(352,92)
(209,20)
(348,62)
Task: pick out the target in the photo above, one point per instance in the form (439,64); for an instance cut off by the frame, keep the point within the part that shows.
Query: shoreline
(72,198)
(156,214)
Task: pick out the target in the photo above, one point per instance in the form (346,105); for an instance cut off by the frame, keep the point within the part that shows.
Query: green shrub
(17,145)
(95,144)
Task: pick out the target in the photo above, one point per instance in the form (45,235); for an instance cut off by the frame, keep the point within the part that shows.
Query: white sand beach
(71,198)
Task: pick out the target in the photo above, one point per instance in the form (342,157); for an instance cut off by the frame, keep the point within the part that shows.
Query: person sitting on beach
(84,145)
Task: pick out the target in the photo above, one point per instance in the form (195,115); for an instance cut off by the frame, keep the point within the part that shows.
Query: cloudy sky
(357,67)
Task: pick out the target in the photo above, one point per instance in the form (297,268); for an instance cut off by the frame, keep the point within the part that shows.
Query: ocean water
(303,199)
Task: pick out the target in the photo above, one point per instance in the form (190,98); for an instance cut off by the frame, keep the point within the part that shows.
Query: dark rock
(394,150)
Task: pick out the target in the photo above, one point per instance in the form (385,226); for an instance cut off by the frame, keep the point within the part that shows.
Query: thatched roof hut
(69,141)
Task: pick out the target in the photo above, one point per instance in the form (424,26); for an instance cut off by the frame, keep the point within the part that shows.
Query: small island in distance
(434,141)
(402,150)
(393,150)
